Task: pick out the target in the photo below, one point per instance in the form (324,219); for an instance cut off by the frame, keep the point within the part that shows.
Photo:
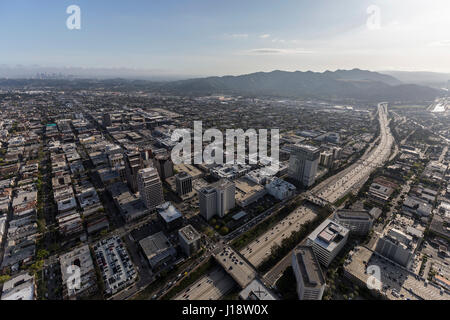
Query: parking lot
(115,265)
(260,249)
(396,282)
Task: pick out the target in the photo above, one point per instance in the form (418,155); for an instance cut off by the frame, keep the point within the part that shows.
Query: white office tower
(217,199)
(309,276)
(183,182)
(226,192)
(150,187)
(303,163)
(327,240)
(396,246)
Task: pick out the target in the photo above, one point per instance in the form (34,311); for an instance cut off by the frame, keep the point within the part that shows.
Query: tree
(4,278)
(42,254)
(224,230)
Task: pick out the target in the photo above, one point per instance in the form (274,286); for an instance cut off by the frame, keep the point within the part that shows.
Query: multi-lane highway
(360,171)
(258,250)
(217,283)
(353,177)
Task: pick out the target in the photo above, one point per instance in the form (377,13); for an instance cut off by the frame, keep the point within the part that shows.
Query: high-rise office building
(189,239)
(217,199)
(303,164)
(326,159)
(106,119)
(397,246)
(327,240)
(150,187)
(208,202)
(133,163)
(309,276)
(164,165)
(183,181)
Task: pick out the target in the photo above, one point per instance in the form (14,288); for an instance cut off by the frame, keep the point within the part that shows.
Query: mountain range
(353,84)
(356,84)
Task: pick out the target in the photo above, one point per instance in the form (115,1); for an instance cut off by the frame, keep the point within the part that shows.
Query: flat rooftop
(20,287)
(188,168)
(328,234)
(154,244)
(222,184)
(309,267)
(256,291)
(189,233)
(182,175)
(168,212)
(149,172)
(306,147)
(411,287)
(353,214)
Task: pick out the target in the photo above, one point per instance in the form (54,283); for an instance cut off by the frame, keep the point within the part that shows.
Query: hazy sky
(217,37)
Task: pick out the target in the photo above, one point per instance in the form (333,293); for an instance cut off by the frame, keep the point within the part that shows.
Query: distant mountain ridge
(356,84)
(341,84)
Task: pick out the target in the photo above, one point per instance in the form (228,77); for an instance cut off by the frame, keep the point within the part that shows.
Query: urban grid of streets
(219,281)
(260,248)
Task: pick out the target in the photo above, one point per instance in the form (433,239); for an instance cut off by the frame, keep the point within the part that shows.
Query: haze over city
(205,38)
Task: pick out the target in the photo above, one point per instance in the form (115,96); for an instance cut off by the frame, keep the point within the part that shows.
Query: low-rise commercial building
(359,222)
(79,258)
(157,249)
(280,189)
(256,291)
(170,216)
(380,193)
(20,287)
(247,192)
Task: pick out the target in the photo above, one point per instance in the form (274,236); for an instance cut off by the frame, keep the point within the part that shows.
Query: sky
(212,37)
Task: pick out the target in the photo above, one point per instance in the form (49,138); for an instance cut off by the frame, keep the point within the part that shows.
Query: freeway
(259,218)
(354,176)
(361,170)
(258,250)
